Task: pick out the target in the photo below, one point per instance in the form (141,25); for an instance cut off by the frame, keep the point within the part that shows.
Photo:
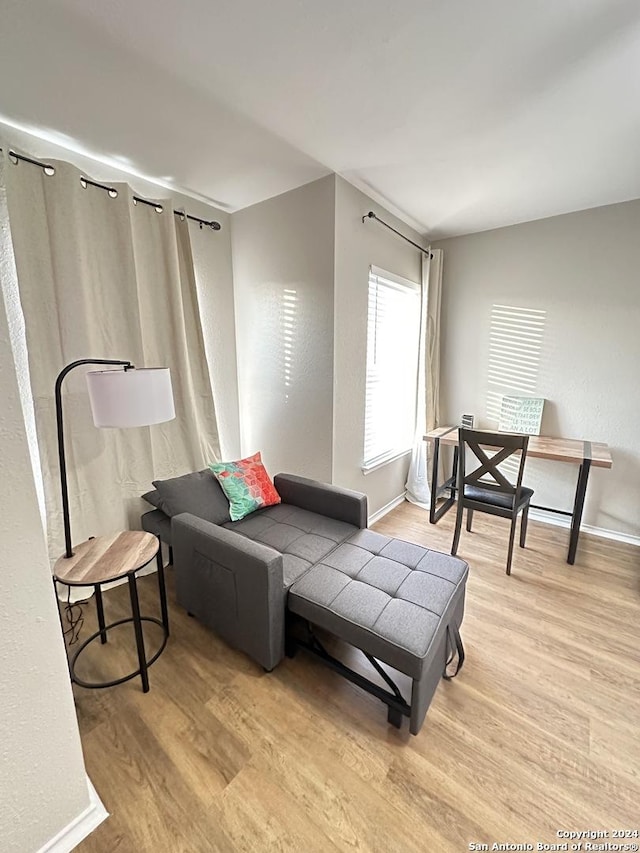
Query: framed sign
(521,414)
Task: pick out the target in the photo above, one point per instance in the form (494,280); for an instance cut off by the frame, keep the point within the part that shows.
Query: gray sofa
(234,576)
(310,561)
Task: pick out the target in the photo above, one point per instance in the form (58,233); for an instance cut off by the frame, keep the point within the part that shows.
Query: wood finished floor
(538,733)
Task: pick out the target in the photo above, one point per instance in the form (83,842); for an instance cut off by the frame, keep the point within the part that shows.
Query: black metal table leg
(578,506)
(435,514)
(162,590)
(100,609)
(55,592)
(137,624)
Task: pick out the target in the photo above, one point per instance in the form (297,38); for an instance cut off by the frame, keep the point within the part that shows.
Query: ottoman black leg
(394,716)
(290,647)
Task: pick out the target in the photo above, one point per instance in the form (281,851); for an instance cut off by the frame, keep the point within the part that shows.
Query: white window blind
(393,329)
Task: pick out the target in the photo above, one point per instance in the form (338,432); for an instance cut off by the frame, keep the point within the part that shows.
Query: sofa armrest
(332,501)
(156,522)
(233,585)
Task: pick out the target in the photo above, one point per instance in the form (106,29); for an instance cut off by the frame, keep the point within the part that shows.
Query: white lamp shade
(131,398)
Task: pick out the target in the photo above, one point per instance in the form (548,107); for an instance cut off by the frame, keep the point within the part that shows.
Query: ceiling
(458,115)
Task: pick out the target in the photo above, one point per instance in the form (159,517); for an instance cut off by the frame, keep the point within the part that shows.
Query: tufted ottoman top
(385,596)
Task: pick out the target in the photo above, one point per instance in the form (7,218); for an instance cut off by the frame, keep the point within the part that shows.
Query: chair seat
(488,496)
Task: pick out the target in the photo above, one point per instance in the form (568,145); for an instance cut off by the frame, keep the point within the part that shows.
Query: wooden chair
(486,488)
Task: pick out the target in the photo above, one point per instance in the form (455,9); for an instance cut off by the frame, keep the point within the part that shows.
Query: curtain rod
(372,215)
(49,169)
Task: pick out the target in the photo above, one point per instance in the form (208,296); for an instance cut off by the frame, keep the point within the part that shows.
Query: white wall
(212,261)
(583,269)
(358,245)
(283,276)
(43,783)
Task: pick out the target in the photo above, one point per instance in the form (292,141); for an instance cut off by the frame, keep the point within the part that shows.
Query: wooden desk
(586,454)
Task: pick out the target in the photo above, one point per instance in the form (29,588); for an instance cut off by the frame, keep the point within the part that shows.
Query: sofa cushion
(158,523)
(198,493)
(153,498)
(302,537)
(293,568)
(311,522)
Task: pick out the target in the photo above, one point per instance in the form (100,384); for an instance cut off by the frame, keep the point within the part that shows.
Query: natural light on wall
(515,348)
(288,322)
(393,328)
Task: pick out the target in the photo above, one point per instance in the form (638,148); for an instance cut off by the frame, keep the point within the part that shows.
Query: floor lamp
(128,397)
(121,397)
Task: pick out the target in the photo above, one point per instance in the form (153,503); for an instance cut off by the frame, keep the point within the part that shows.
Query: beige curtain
(432,366)
(428,390)
(100,277)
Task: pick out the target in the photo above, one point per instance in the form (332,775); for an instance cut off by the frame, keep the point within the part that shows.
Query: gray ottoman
(398,602)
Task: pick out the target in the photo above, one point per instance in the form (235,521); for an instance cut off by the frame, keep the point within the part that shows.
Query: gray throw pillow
(198,493)
(152,498)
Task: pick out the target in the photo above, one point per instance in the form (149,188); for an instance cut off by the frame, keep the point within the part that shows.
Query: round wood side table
(109,558)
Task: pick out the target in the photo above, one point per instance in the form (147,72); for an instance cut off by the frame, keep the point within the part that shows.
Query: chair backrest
(487,475)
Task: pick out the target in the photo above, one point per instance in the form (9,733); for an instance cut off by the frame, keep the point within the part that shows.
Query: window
(393,329)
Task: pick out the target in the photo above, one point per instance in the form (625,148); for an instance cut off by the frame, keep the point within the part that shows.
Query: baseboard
(536,515)
(386,509)
(76,831)
(565,521)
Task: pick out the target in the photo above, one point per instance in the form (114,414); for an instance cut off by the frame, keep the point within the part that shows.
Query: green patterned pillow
(246,485)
